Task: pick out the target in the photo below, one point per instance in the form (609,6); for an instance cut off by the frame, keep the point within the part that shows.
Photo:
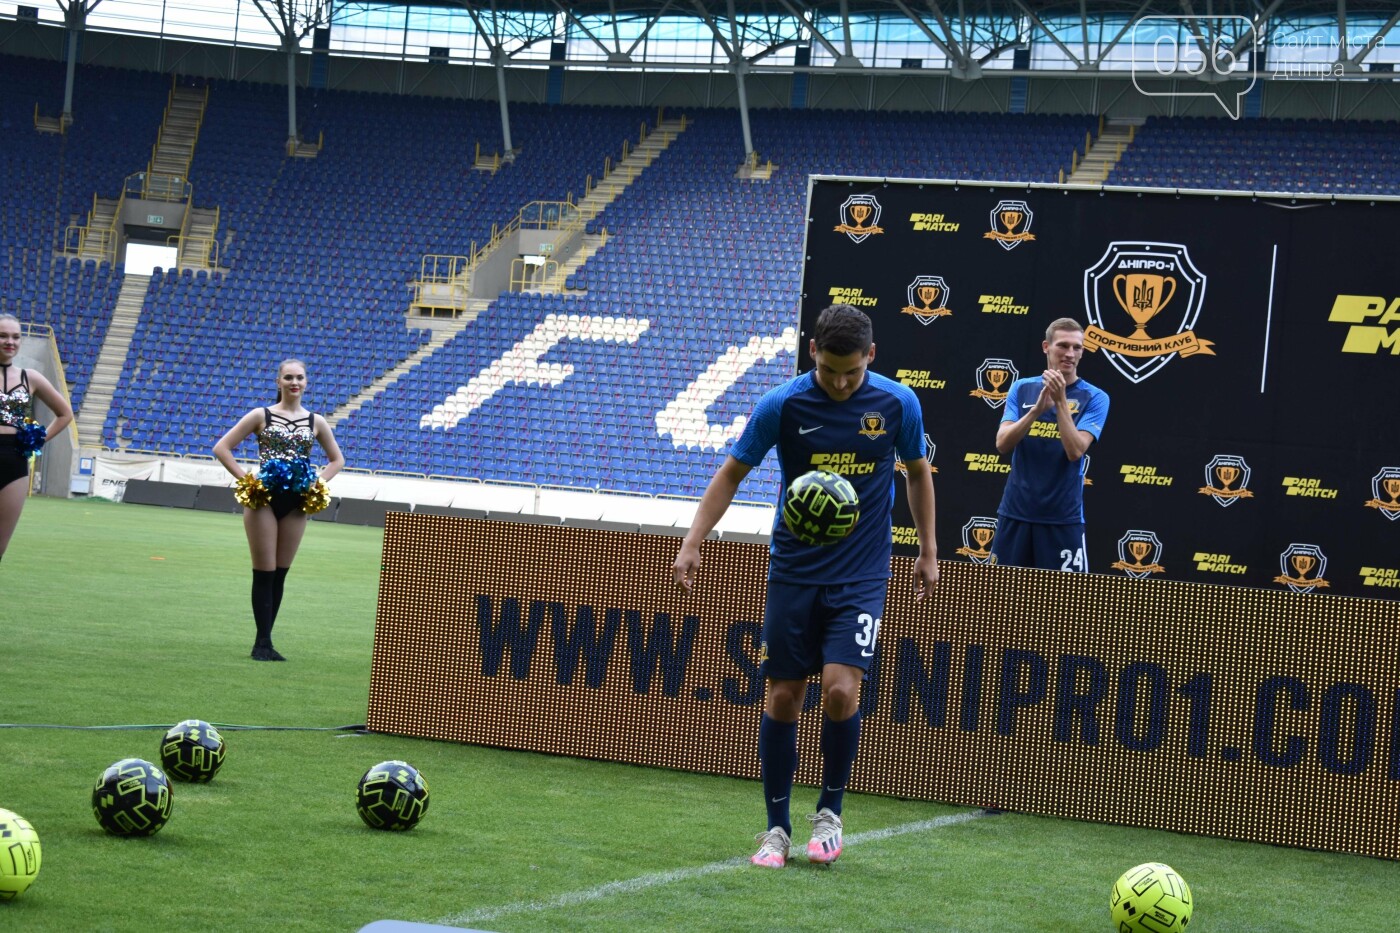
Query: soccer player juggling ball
(824,603)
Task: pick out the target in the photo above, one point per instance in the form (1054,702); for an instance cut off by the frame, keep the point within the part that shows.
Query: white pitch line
(642,882)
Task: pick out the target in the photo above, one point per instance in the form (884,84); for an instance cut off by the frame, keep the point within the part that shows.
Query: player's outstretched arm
(713,504)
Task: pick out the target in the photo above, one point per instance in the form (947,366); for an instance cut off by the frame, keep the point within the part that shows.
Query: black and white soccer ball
(392,795)
(820,507)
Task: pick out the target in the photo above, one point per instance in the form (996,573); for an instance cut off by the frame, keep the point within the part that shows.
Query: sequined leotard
(284,458)
(16,404)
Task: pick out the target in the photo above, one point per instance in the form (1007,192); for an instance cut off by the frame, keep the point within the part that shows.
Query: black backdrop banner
(1250,347)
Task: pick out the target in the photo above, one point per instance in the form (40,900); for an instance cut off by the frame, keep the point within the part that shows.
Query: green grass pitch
(131,615)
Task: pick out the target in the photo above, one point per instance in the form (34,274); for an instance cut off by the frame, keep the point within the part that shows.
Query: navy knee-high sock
(777,756)
(839,741)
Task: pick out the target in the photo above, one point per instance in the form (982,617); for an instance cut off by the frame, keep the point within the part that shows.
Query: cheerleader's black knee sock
(277,591)
(264,582)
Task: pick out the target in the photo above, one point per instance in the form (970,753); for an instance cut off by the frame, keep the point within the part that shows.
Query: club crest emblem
(994,378)
(1385,492)
(860,217)
(1137,284)
(928,299)
(1145,550)
(1227,480)
(1305,560)
(1011,224)
(977,536)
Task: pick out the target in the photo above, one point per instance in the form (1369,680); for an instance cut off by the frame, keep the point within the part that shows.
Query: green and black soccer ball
(392,795)
(820,507)
(1151,898)
(20,855)
(192,750)
(132,798)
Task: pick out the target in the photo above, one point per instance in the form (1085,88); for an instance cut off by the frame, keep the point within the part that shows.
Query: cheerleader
(283,491)
(20,436)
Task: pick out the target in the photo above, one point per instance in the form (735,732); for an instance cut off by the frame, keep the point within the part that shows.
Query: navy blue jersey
(1044,485)
(859,439)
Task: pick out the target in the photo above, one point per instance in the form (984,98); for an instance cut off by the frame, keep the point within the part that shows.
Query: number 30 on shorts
(869,631)
(1072,560)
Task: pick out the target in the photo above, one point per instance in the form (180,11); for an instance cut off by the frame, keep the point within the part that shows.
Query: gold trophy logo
(1302,559)
(1011,224)
(1143,280)
(1145,549)
(1227,479)
(1386,483)
(1141,296)
(977,536)
(928,298)
(872,425)
(855,212)
(928,294)
(994,378)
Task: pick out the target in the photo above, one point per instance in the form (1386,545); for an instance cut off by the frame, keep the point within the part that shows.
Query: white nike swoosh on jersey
(810,430)
(1028,405)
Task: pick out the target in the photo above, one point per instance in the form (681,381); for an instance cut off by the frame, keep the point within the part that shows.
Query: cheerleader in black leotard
(275,498)
(19,435)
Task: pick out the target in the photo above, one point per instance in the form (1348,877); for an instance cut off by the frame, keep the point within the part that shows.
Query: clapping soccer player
(1047,425)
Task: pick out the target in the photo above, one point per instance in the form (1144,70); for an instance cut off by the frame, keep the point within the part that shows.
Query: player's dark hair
(842,330)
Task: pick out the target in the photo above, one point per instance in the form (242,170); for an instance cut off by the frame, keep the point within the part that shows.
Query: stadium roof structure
(969,33)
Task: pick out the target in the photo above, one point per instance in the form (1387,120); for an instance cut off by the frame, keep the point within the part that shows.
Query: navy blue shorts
(1031,544)
(805,627)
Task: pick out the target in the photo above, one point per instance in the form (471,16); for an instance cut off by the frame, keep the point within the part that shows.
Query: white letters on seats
(521,363)
(684,417)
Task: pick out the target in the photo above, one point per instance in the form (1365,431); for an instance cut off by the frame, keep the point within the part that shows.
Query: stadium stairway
(1103,154)
(106,372)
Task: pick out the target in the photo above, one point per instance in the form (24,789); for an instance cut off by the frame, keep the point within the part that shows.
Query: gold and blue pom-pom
(250,492)
(30,437)
(287,475)
(316,498)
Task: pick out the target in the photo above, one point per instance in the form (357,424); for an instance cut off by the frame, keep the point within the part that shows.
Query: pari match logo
(1011,224)
(928,299)
(977,536)
(1302,559)
(1232,474)
(860,217)
(1371,318)
(1385,492)
(994,378)
(1145,549)
(1142,280)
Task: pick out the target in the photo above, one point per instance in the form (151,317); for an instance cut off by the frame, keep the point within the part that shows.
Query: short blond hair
(1062,323)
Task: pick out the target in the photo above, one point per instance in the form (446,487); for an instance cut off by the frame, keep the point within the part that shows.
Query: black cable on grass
(225,726)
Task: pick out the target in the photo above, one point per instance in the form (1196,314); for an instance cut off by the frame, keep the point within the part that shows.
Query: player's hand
(686,568)
(1054,384)
(925,575)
